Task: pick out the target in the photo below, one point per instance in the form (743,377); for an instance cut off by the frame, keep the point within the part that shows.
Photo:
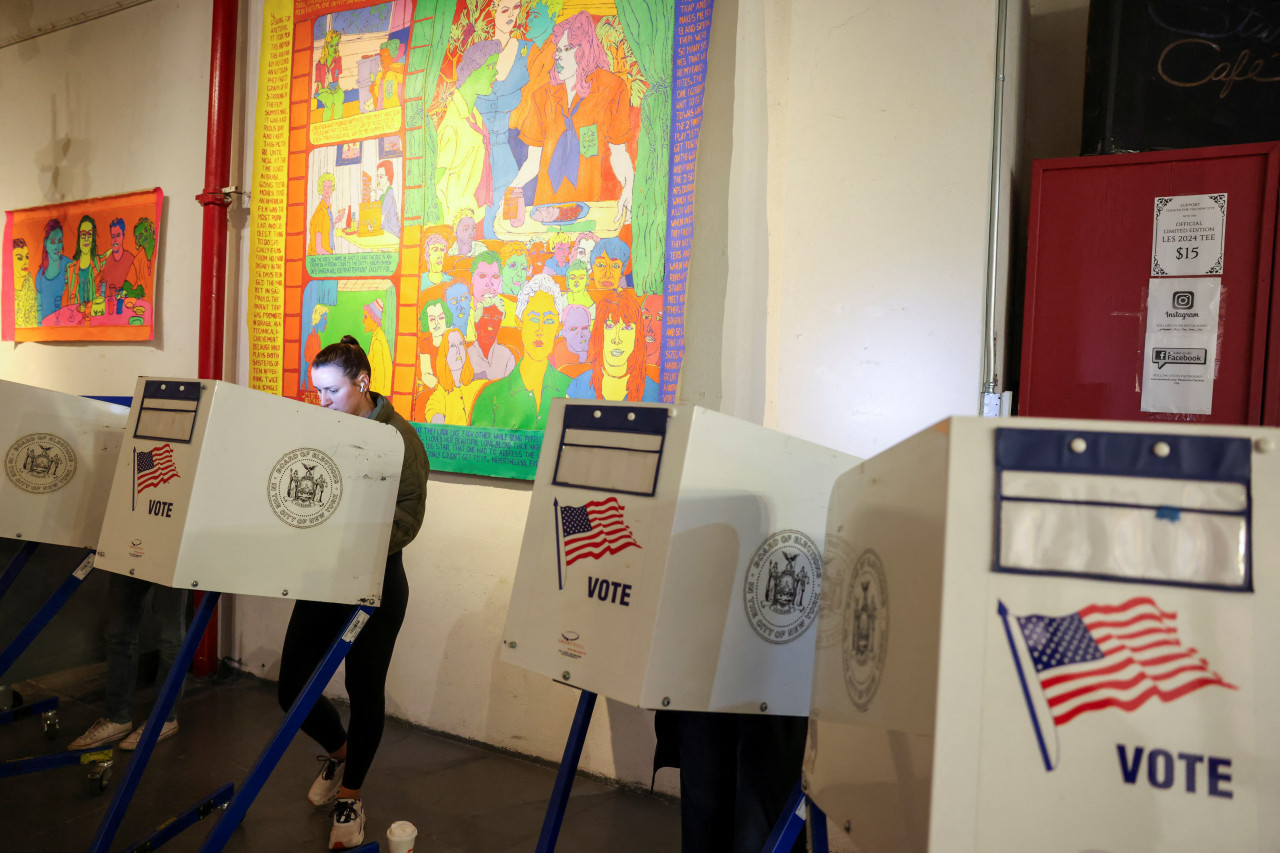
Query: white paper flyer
(1181,345)
(1188,235)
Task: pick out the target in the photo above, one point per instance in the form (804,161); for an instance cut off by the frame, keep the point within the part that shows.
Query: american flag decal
(594,529)
(1102,656)
(154,467)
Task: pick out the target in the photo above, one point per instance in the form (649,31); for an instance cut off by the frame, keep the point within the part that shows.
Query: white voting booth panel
(222,488)
(672,558)
(1053,635)
(59,454)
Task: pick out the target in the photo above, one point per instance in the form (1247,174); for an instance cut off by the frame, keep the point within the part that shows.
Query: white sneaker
(168,730)
(101,733)
(348,825)
(328,781)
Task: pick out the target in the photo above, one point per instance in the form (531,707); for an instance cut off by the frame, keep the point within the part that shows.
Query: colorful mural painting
(494,197)
(82,270)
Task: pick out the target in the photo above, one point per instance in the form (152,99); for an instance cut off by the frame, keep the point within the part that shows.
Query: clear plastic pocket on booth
(611,448)
(1124,506)
(167,411)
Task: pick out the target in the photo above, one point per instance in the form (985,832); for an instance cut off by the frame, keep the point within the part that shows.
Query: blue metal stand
(41,707)
(792,821)
(151,734)
(564,777)
(817,828)
(36,763)
(270,757)
(16,565)
(45,614)
(171,828)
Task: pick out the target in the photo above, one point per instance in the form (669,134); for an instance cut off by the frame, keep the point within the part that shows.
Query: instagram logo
(1183,299)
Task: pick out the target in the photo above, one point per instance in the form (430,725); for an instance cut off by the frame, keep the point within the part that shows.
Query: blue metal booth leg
(270,757)
(789,825)
(817,828)
(564,777)
(151,734)
(42,706)
(38,763)
(16,565)
(45,614)
(173,827)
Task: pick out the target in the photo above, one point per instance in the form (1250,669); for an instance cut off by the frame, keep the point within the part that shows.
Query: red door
(1089,262)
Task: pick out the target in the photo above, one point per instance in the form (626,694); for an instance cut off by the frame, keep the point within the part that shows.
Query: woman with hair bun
(341,376)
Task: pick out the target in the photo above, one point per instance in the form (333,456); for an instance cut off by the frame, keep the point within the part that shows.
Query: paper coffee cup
(400,837)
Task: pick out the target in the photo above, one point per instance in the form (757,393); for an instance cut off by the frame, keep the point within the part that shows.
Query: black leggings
(312,628)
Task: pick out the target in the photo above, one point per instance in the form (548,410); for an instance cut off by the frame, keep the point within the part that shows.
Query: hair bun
(350,341)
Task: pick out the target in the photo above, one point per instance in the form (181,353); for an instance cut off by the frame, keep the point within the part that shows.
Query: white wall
(835,289)
(835,292)
(110,106)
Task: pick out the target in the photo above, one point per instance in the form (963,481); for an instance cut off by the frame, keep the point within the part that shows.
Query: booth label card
(1181,345)
(1189,233)
(39,463)
(305,488)
(780,593)
(866,628)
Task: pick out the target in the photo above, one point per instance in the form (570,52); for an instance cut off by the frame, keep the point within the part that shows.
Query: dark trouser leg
(770,755)
(736,772)
(708,775)
(312,629)
(367,665)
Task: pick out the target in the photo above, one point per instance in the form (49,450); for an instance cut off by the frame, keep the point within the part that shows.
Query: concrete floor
(460,796)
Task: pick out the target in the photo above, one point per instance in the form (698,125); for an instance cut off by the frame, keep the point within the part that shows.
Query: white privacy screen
(1123,506)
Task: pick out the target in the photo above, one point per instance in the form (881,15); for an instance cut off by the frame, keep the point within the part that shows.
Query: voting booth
(59,455)
(1052,635)
(222,488)
(672,558)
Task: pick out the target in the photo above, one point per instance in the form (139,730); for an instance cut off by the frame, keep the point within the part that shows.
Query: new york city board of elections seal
(781,588)
(304,488)
(39,463)
(866,628)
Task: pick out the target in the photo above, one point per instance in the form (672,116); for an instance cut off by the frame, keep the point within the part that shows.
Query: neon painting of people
(69,270)
(454,397)
(51,275)
(463,176)
(141,277)
(575,337)
(25,307)
(522,400)
(578,121)
(617,355)
(379,349)
(490,359)
(320,241)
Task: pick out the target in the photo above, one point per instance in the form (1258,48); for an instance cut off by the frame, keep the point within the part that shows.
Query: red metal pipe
(213,263)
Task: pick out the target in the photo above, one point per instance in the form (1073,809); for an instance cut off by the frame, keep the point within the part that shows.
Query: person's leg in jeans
(125,599)
(170,608)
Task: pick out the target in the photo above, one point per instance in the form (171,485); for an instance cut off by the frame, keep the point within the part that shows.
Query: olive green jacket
(411,499)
